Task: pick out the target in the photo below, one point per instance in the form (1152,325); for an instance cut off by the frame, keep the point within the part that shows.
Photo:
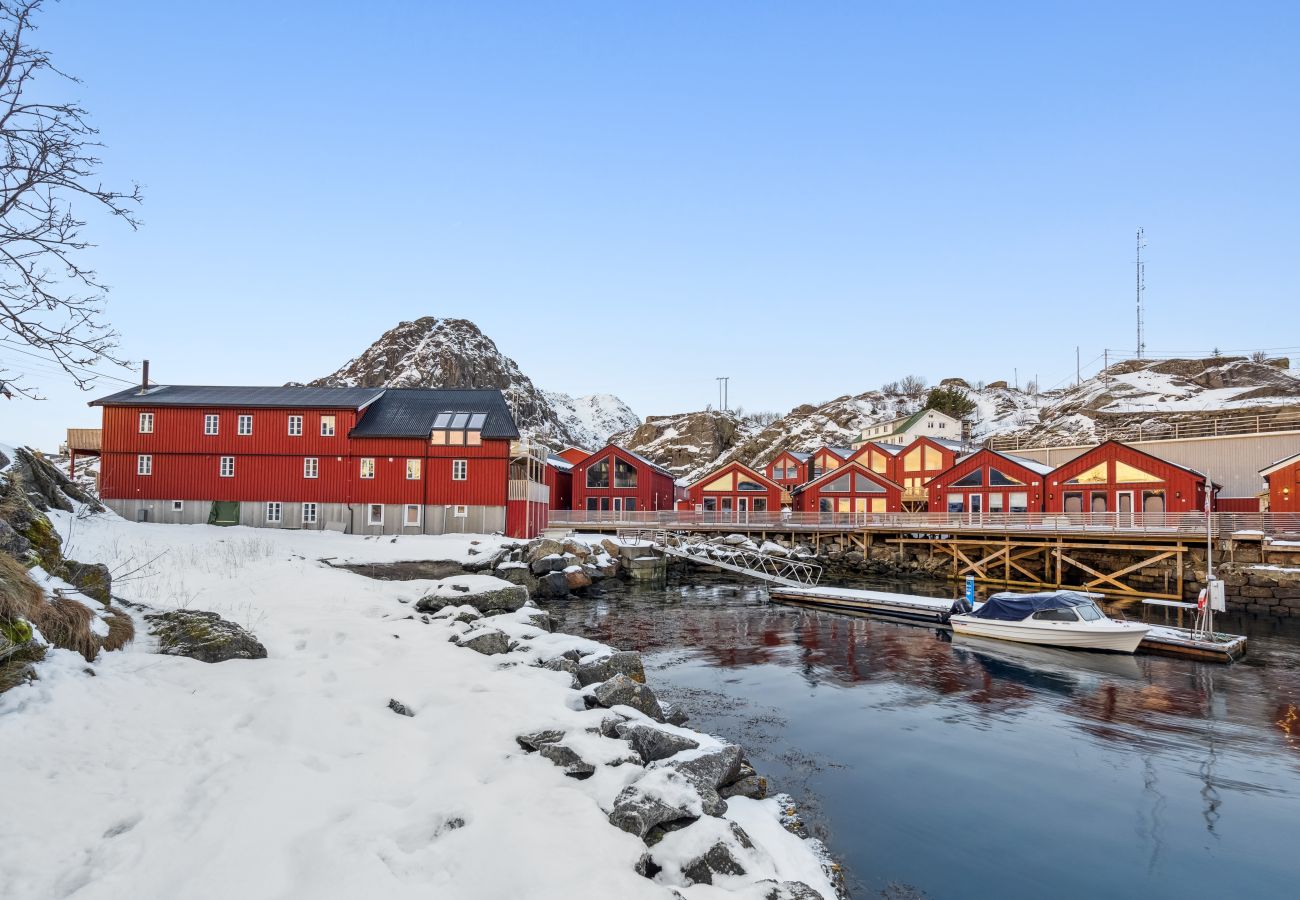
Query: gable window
(1126,474)
(973,479)
(227,467)
(367,467)
(778,472)
(295,426)
(912,460)
(375,514)
(723,483)
(273,513)
(308,513)
(864,485)
(144,464)
(411,516)
(459,469)
(598,474)
(933,459)
(244,425)
(146,423)
(1095,475)
(310,467)
(998,478)
(745,484)
(841,485)
(327,426)
(412,470)
(211,424)
(624,474)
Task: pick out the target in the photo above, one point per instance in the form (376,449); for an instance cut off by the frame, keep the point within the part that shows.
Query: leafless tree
(1259,356)
(912,387)
(51,303)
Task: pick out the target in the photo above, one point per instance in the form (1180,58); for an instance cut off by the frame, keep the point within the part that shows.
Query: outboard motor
(959,608)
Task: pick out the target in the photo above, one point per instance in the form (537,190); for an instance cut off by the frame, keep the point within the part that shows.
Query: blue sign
(970,590)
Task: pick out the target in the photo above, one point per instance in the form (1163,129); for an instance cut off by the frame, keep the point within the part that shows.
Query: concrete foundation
(436,519)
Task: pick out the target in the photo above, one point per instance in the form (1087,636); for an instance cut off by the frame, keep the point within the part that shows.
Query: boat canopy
(1009,607)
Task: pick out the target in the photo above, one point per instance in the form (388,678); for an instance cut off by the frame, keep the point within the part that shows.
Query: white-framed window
(274,512)
(367,467)
(211,423)
(310,467)
(412,470)
(459,469)
(308,513)
(144,464)
(375,514)
(295,426)
(178,506)
(244,425)
(411,516)
(146,423)
(460,512)
(327,426)
(227,467)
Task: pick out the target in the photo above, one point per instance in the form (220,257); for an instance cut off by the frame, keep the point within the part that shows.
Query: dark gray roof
(411,412)
(245,396)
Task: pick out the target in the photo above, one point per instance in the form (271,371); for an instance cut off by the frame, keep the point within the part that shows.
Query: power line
(11,346)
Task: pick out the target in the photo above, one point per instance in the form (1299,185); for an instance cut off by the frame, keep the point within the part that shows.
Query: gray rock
(790,890)
(625,662)
(675,715)
(711,769)
(540,619)
(483,562)
(563,756)
(637,812)
(544,547)
(577,579)
(623,691)
(489,642)
(468,615)
(204,636)
(553,586)
(534,740)
(561,664)
(610,724)
(720,859)
(653,744)
(400,708)
(752,786)
(504,599)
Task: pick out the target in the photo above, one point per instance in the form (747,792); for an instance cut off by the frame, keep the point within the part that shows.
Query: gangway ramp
(742,560)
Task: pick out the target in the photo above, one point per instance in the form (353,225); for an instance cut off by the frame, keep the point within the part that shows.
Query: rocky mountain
(454,353)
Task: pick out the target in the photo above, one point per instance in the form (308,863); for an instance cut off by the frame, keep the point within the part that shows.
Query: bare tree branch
(49,300)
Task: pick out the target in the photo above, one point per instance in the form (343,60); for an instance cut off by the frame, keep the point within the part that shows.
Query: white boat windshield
(1056,615)
(1089,613)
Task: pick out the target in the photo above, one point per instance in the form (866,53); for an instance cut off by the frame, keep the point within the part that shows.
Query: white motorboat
(1068,619)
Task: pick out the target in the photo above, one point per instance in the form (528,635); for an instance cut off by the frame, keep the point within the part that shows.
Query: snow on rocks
(204,636)
(484,592)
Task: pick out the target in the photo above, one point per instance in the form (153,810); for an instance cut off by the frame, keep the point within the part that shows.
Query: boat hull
(1113,637)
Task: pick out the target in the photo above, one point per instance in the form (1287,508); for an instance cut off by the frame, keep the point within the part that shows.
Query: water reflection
(909,740)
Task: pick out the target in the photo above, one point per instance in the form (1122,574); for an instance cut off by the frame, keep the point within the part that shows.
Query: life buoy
(1202,598)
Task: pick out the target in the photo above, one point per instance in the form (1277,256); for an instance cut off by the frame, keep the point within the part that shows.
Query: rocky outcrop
(203,636)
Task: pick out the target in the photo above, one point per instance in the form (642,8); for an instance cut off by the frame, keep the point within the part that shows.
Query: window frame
(371,508)
(144,464)
(178,506)
(418,468)
(460,511)
(222,470)
(311,467)
(366,471)
(406,515)
(328,426)
(461,466)
(295,421)
(146,417)
(276,519)
(240,421)
(211,424)
(315,513)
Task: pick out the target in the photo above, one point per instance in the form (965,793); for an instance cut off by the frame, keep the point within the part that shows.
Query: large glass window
(972,479)
(724,483)
(760,504)
(1074,502)
(864,485)
(1153,502)
(624,474)
(956,503)
(1126,474)
(746,485)
(592,504)
(841,485)
(933,459)
(995,502)
(1098,501)
(998,478)
(912,460)
(1019,501)
(598,474)
(629,504)
(825,504)
(1095,475)
(710,504)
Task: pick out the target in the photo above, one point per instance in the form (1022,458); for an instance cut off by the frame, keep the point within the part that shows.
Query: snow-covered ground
(285,777)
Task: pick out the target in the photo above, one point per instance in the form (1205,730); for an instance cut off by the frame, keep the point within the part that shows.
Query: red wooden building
(988,483)
(559,478)
(1117,478)
(736,488)
(1283,480)
(363,460)
(573,456)
(614,479)
(849,489)
(824,459)
(916,464)
(879,458)
(789,468)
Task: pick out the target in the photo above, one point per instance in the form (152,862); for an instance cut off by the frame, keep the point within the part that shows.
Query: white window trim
(419,515)
(239,426)
(419,469)
(461,465)
(295,420)
(178,506)
(279,512)
(222,469)
(144,464)
(315,512)
(331,422)
(214,420)
(315,467)
(146,417)
(367,472)
(460,511)
(370,514)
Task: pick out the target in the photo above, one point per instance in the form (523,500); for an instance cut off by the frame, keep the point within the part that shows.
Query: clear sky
(812,198)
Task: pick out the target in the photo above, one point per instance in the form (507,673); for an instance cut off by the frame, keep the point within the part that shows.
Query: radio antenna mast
(1141,286)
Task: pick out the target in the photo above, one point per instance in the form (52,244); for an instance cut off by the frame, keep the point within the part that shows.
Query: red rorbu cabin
(827,458)
(916,464)
(789,468)
(879,458)
(849,489)
(988,483)
(615,479)
(735,488)
(1117,478)
(1283,480)
(559,478)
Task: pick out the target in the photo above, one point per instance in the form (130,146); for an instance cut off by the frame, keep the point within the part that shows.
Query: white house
(905,429)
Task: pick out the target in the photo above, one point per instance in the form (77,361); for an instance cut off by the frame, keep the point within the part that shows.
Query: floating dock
(1161,639)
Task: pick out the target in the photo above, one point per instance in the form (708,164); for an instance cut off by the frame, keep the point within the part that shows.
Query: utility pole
(1141,286)
(1015,378)
(1078,372)
(722,392)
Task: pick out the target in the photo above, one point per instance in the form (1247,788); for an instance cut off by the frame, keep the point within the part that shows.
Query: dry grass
(121,630)
(64,622)
(19,595)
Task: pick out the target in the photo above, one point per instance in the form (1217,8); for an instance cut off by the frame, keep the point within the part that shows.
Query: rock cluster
(204,636)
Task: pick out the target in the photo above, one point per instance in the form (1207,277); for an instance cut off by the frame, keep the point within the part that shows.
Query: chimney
(144,377)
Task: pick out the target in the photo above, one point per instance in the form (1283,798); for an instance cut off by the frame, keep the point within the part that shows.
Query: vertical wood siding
(654,489)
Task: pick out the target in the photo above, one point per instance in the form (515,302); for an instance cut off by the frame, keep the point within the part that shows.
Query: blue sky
(635,198)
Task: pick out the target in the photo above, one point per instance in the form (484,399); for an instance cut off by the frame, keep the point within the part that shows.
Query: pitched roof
(758,476)
(840,470)
(412,412)
(1280,464)
(1032,465)
(637,456)
(247,396)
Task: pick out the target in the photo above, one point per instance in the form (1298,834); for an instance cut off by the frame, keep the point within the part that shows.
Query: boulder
(651,743)
(540,619)
(534,740)
(792,890)
(489,642)
(624,662)
(485,562)
(611,548)
(623,691)
(709,771)
(544,547)
(577,548)
(656,799)
(674,715)
(566,758)
(576,579)
(752,786)
(468,615)
(735,540)
(204,636)
(547,564)
(505,598)
(720,858)
(553,586)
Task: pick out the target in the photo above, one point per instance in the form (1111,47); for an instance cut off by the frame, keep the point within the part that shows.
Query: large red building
(989,483)
(735,488)
(1116,478)
(361,460)
(919,462)
(849,489)
(614,479)
(790,468)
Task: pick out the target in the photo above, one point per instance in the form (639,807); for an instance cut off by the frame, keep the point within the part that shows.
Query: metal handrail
(1216,426)
(743,560)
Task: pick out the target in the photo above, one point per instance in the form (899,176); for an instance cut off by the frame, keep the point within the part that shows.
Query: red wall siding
(696,492)
(1284,489)
(942,484)
(1239,504)
(180,430)
(1183,490)
(654,489)
(787,460)
(560,481)
(809,500)
(525,519)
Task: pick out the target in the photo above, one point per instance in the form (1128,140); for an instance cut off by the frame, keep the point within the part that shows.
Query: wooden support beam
(1113,577)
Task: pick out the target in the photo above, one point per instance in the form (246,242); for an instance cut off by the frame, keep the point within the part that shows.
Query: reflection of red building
(616,479)
(1115,477)
(850,488)
(789,468)
(735,487)
(988,482)
(1283,480)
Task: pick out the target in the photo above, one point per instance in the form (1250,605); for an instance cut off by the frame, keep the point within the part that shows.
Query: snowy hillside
(454,353)
(590,420)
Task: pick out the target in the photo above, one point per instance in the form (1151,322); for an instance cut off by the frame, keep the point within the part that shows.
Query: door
(618,506)
(224,513)
(1124,509)
(976,507)
(742,509)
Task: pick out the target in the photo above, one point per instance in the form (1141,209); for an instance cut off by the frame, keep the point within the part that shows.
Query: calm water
(965,769)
